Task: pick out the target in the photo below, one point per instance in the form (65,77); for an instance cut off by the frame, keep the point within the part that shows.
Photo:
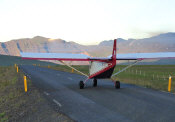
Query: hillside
(160,43)
(11,60)
(37,44)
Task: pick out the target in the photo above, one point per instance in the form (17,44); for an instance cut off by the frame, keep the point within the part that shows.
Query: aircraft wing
(144,56)
(83,57)
(55,56)
(61,56)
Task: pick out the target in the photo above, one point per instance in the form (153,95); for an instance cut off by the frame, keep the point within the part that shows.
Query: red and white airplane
(100,67)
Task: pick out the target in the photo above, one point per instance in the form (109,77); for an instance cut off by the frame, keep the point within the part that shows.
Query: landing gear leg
(95,82)
(117,84)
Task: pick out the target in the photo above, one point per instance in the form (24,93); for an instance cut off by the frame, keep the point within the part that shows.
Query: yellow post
(48,66)
(17,69)
(169,84)
(25,84)
(15,65)
(72,70)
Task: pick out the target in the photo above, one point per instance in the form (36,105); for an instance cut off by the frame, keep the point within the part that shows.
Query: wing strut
(126,68)
(73,68)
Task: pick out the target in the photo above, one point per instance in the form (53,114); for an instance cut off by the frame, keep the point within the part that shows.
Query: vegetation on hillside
(11,60)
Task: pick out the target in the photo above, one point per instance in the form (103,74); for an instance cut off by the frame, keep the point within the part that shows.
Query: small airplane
(100,67)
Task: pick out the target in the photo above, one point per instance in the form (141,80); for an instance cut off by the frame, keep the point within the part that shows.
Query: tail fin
(114,50)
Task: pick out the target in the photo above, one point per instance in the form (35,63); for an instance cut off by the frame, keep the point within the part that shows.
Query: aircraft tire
(95,82)
(117,84)
(81,84)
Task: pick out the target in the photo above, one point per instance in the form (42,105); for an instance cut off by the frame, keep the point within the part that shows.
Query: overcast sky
(85,21)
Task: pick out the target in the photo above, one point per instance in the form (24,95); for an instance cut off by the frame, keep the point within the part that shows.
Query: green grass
(150,76)
(7,79)
(3,118)
(10,92)
(17,105)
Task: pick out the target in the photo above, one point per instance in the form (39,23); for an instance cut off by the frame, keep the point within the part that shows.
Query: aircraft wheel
(95,82)
(117,84)
(81,84)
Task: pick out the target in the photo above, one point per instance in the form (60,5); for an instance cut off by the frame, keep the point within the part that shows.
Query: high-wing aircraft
(100,67)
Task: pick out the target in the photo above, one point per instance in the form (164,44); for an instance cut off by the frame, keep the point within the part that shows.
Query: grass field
(12,94)
(16,105)
(14,102)
(150,76)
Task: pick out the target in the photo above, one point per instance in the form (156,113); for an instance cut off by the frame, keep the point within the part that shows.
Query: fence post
(157,77)
(163,77)
(153,76)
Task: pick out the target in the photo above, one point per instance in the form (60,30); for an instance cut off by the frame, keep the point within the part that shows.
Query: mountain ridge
(164,42)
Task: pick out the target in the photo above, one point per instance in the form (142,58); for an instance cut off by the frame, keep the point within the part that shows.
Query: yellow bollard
(25,83)
(17,69)
(15,65)
(169,84)
(72,70)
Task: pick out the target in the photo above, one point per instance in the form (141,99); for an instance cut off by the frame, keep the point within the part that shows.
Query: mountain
(110,42)
(38,44)
(161,43)
(42,44)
